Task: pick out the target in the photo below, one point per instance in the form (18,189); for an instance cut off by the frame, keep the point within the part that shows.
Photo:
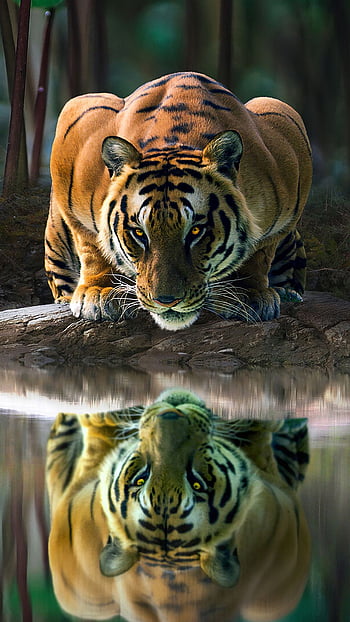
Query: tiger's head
(176,493)
(175,221)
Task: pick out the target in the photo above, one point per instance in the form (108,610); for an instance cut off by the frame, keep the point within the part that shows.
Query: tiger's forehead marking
(166,213)
(169,191)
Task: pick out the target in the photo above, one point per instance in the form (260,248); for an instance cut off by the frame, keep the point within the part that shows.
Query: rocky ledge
(315,333)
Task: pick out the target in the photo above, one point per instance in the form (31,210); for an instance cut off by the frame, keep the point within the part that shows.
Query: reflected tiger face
(176,493)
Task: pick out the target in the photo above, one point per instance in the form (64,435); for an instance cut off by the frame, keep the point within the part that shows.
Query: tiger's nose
(170,414)
(167,301)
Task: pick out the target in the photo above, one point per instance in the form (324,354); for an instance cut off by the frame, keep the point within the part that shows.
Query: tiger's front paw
(264,305)
(99,420)
(102,427)
(64,424)
(251,305)
(287,294)
(95,303)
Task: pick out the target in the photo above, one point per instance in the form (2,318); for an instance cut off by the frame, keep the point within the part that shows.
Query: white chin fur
(172,320)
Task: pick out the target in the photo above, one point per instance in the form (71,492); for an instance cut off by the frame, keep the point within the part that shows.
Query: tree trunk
(40,102)
(341,16)
(16,165)
(225,43)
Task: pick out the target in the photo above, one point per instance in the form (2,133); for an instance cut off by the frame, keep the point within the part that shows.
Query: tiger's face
(176,493)
(176,222)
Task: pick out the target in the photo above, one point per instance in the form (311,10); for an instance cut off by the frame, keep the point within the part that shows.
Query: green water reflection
(31,400)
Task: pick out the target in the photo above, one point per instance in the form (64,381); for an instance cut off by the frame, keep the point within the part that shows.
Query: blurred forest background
(295,50)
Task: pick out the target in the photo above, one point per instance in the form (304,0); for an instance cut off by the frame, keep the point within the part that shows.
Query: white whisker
(123,294)
(122,279)
(228,301)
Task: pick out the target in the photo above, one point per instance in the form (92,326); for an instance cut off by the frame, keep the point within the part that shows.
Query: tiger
(170,512)
(175,200)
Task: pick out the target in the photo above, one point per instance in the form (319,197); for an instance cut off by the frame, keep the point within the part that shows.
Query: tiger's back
(182,110)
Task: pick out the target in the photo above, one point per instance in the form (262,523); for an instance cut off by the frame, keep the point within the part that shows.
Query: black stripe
(191,543)
(171,140)
(52,249)
(147,525)
(147,109)
(150,188)
(180,107)
(231,514)
(183,187)
(285,249)
(226,223)
(182,128)
(192,172)
(69,519)
(63,277)
(152,173)
(70,432)
(287,265)
(69,475)
(84,113)
(124,503)
(296,209)
(69,244)
(92,500)
(144,143)
(190,159)
(70,190)
(233,205)
(116,490)
(56,262)
(184,528)
(111,229)
(223,91)
(92,213)
(214,105)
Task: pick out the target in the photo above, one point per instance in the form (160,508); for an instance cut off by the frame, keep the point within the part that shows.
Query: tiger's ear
(222,565)
(115,560)
(117,152)
(225,150)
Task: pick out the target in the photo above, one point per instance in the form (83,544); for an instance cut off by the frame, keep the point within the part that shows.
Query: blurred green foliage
(44,4)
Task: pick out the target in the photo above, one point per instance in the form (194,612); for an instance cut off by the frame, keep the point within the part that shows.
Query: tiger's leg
(288,269)
(102,432)
(78,273)
(63,451)
(93,297)
(102,292)
(100,436)
(61,260)
(262,300)
(76,447)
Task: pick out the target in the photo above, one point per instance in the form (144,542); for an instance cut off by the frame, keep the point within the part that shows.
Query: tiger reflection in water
(170,513)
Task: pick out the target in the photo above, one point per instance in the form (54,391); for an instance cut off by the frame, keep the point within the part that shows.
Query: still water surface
(30,399)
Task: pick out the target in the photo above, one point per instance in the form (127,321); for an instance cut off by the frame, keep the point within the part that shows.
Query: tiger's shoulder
(277,116)
(81,127)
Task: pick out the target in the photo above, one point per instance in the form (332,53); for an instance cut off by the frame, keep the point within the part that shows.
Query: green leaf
(44,4)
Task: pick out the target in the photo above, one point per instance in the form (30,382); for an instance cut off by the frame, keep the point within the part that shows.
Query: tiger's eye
(196,486)
(139,232)
(195,230)
(140,481)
